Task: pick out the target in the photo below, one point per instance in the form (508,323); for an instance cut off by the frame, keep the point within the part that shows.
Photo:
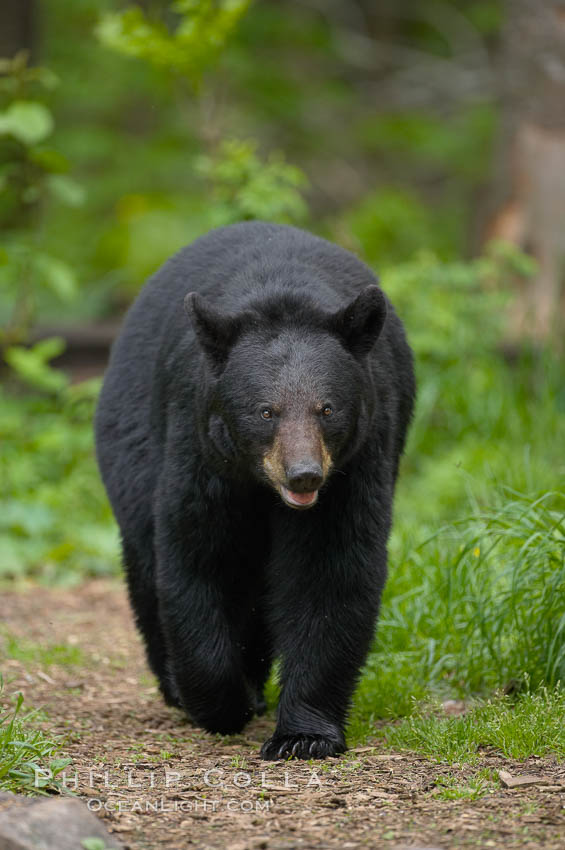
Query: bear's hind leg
(143,599)
(204,654)
(200,547)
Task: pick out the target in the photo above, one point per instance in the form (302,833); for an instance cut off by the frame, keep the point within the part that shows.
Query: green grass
(25,750)
(478,607)
(28,652)
(474,608)
(531,724)
(451,788)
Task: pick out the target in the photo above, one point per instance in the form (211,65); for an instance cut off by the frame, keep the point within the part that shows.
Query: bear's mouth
(300,501)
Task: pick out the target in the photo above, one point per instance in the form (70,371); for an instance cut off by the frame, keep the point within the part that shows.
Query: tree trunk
(528,202)
(17,27)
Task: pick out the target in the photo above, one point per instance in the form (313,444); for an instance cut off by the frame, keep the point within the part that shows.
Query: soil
(156,780)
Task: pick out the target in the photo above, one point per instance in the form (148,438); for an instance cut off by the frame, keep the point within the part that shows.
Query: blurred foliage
(463,144)
(458,299)
(202,28)
(30,173)
(395,179)
(32,364)
(246,187)
(55,522)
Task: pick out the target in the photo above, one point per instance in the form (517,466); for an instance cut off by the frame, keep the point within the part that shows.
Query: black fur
(288,338)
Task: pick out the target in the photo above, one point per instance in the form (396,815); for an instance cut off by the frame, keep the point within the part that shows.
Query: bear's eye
(266,413)
(327,410)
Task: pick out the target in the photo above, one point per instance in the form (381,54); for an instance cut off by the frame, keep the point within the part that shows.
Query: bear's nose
(304,477)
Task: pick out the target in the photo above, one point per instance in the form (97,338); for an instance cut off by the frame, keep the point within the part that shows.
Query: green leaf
(49,348)
(58,765)
(26,120)
(31,364)
(66,190)
(56,276)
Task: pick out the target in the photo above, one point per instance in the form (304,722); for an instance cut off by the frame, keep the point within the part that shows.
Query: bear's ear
(360,323)
(216,332)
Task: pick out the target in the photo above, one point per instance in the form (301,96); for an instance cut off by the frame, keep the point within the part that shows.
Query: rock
(510,781)
(49,823)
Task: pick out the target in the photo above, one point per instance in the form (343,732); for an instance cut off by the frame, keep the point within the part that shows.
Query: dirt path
(158,781)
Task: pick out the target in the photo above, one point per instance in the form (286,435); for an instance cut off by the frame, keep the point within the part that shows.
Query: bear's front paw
(301,747)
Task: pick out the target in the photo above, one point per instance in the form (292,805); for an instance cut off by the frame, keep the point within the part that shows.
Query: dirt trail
(158,781)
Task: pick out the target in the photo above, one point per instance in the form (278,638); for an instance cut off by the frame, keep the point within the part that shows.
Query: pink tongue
(302,498)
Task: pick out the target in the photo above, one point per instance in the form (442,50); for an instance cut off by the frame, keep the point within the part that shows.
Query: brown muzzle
(298,462)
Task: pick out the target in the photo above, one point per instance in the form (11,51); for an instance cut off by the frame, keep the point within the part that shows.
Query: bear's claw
(300,747)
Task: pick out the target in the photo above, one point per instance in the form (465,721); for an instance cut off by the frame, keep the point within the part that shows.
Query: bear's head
(289,395)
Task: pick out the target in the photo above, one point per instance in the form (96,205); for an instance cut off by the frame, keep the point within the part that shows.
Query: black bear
(250,451)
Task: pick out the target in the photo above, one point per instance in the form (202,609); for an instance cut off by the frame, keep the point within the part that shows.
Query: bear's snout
(304,477)
(304,480)
(298,463)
